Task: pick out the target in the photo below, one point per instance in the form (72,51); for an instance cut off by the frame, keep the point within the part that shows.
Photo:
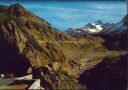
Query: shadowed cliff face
(117,42)
(10,60)
(109,74)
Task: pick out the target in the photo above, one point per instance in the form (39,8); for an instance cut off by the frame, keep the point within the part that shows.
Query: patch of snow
(99,27)
(78,31)
(93,30)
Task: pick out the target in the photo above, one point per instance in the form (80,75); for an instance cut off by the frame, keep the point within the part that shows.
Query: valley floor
(87,60)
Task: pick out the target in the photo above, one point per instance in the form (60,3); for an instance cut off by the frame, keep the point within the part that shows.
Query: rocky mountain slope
(119,27)
(117,37)
(24,36)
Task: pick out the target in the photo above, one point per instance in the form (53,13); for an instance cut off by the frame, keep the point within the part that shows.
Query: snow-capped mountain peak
(100,28)
(90,28)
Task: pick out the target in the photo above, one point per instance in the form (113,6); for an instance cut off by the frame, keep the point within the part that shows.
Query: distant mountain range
(99,28)
(91,28)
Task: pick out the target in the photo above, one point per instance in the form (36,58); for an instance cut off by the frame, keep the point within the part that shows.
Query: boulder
(55,66)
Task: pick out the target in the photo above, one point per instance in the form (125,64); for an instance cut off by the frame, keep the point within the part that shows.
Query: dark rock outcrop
(47,77)
(125,20)
(110,74)
(117,42)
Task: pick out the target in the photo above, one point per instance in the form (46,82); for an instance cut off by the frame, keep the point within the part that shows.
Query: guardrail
(28,77)
(35,85)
